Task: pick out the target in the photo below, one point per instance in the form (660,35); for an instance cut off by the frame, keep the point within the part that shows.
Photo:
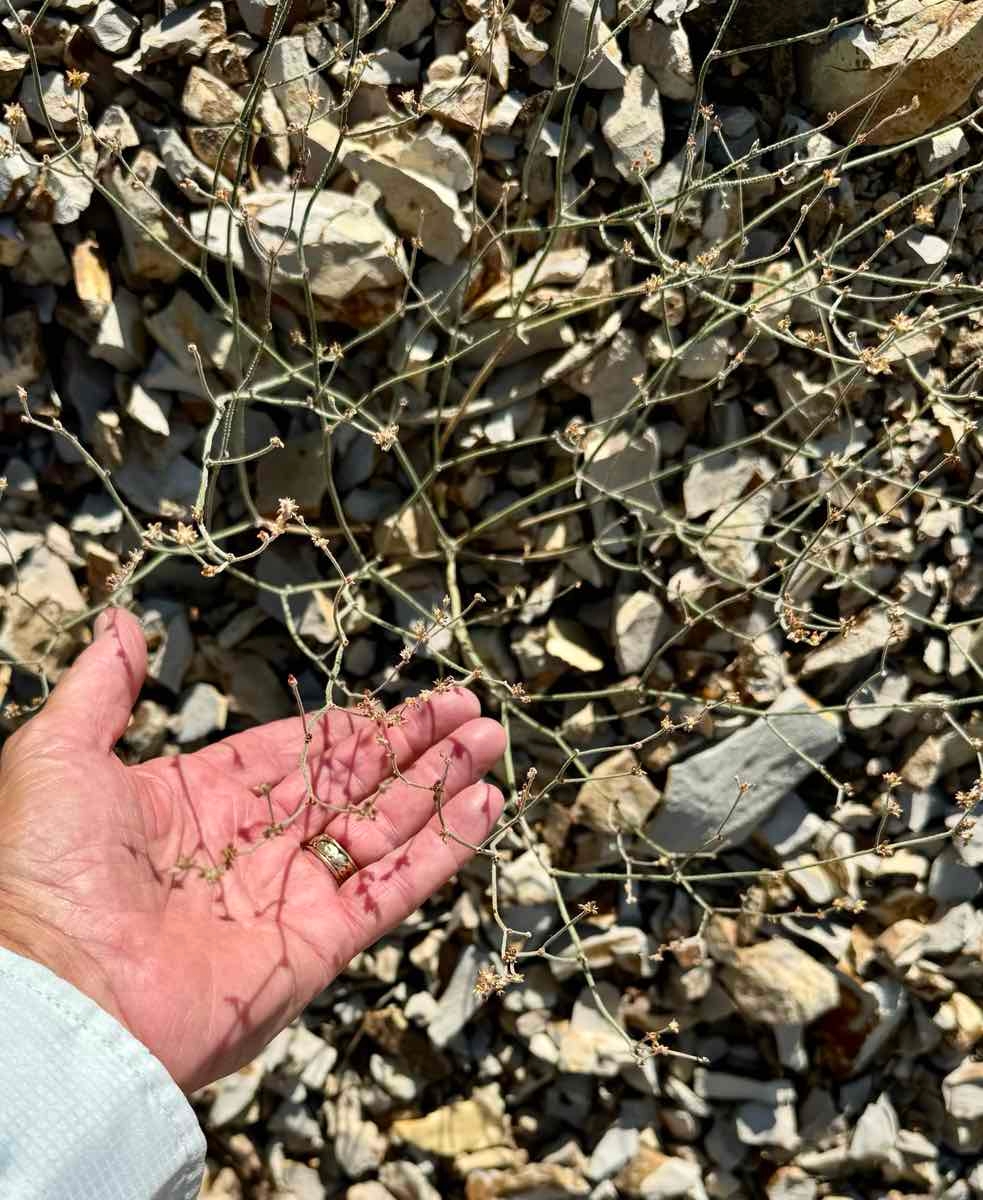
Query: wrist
(30,938)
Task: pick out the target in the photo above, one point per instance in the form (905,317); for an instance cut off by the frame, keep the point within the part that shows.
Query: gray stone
(631,120)
(154,247)
(941,150)
(408,21)
(111,27)
(348,247)
(587,41)
(120,340)
(419,205)
(182,33)
(790,828)
(701,791)
(184,322)
(706,358)
(723,1086)
(664,52)
(872,76)
(617,1147)
(55,101)
(721,478)
(636,622)
(170,643)
(459,1001)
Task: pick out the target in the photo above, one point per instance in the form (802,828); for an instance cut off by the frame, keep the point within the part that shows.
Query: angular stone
(209,100)
(588,41)
(184,33)
(459,1001)
(111,27)
(664,52)
(776,983)
(348,247)
(463,1126)
(631,120)
(934,54)
(701,791)
(623,802)
(419,205)
(154,248)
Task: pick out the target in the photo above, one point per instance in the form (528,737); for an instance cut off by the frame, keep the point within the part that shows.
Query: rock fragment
(697,804)
(632,123)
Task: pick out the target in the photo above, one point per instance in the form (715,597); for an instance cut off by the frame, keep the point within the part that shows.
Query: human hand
(206,974)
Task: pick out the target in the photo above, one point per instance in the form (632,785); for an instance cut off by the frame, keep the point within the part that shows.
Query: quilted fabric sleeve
(86,1111)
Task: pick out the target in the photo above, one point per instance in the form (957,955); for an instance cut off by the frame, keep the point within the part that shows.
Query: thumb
(93,699)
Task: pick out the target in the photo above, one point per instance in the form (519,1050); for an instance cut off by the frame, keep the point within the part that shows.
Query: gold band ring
(334,856)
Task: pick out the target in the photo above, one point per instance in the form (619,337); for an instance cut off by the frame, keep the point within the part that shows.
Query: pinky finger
(382,895)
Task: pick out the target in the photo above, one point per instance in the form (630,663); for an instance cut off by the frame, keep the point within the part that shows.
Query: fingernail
(102,622)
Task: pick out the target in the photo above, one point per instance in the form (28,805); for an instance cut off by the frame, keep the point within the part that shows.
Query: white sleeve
(86,1111)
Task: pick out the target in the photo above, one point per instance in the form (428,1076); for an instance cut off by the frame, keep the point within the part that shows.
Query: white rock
(636,621)
(233,1094)
(149,409)
(204,710)
(588,1043)
(721,478)
(664,52)
(941,150)
(590,41)
(347,248)
(631,120)
(523,43)
(927,248)
(674,1179)
(875,1136)
(962,1091)
(418,204)
(617,1147)
(767,1125)
(111,27)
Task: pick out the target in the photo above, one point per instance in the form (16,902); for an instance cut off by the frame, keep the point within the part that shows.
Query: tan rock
(927,58)
(961,1019)
(614,797)
(465,1126)
(776,983)
(534,1179)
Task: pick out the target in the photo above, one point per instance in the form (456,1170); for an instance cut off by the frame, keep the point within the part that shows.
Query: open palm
(205,973)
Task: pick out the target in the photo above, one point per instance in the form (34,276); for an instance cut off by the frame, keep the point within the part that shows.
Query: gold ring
(334,856)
